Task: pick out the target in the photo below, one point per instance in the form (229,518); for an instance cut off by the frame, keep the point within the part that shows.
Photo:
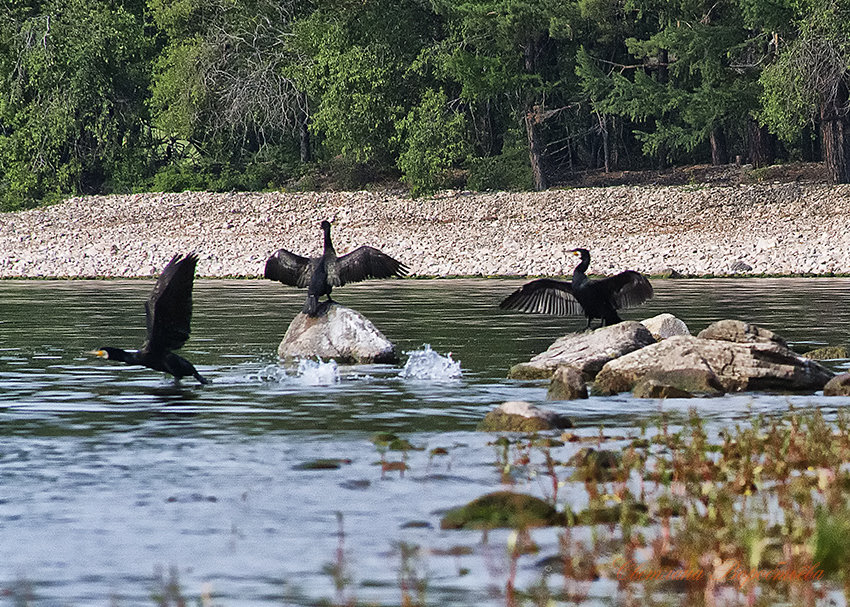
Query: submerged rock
(828,353)
(595,466)
(586,352)
(715,366)
(740,332)
(665,325)
(838,386)
(341,333)
(649,387)
(502,509)
(520,416)
(567,384)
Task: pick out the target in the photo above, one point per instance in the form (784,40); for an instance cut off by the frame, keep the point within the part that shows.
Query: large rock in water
(342,334)
(521,416)
(665,325)
(740,332)
(585,352)
(710,365)
(838,386)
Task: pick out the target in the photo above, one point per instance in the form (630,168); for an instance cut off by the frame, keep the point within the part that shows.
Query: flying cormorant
(321,274)
(169,312)
(591,298)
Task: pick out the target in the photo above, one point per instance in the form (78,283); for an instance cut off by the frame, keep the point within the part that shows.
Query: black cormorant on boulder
(582,297)
(169,313)
(321,274)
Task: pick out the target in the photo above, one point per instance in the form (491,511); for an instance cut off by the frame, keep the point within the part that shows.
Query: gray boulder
(649,387)
(567,384)
(522,416)
(342,334)
(838,386)
(665,325)
(740,332)
(586,352)
(710,365)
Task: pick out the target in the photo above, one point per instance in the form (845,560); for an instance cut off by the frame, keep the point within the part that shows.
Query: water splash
(316,373)
(428,364)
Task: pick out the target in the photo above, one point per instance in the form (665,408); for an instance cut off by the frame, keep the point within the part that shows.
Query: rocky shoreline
(746,229)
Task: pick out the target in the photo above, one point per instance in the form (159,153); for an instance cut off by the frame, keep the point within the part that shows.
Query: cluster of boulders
(659,358)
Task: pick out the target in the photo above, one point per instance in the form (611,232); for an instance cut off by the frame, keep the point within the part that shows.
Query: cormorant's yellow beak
(100,353)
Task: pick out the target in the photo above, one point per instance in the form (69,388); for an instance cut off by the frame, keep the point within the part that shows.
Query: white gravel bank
(773,228)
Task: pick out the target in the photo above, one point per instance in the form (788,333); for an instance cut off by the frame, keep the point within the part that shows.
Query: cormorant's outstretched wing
(169,307)
(289,268)
(626,289)
(362,263)
(544,296)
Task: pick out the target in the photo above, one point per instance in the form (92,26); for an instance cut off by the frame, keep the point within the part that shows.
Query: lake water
(113,477)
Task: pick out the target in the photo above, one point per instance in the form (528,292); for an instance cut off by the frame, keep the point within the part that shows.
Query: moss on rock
(502,509)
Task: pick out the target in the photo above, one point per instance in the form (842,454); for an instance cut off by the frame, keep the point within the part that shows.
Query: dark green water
(111,473)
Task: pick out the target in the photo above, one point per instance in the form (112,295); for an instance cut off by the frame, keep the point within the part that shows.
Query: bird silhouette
(168,311)
(582,297)
(321,274)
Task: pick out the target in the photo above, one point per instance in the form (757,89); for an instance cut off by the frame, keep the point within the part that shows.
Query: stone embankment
(780,228)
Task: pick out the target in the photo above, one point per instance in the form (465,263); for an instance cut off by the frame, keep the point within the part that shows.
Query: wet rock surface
(521,416)
(341,334)
(838,386)
(567,384)
(731,366)
(586,352)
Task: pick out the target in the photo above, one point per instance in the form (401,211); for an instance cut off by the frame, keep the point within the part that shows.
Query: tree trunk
(835,133)
(603,127)
(719,154)
(535,148)
(811,145)
(761,145)
(304,131)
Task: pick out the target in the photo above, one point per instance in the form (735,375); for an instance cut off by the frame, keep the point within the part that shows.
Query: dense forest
(101,96)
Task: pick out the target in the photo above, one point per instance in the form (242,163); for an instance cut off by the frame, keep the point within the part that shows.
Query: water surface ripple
(113,475)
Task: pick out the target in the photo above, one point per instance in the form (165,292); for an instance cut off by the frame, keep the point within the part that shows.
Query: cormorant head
(107,353)
(583,253)
(326,226)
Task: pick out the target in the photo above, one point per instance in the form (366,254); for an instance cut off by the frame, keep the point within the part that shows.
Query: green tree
(516,54)
(73,83)
(686,83)
(356,65)
(810,80)
(433,141)
(220,91)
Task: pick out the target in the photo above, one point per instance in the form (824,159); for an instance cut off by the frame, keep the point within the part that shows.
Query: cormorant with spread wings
(591,298)
(169,312)
(321,274)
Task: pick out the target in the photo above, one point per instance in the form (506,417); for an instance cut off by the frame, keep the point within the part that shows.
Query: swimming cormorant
(168,311)
(321,274)
(591,298)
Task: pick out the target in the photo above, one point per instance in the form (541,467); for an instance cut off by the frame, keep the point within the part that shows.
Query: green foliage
(358,59)
(809,70)
(508,171)
(432,139)
(104,96)
(72,84)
